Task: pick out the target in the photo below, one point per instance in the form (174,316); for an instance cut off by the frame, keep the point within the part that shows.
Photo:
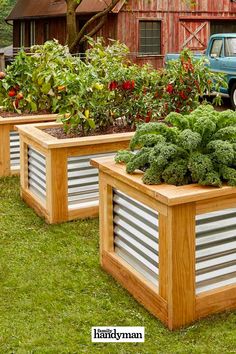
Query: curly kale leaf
(227,133)
(226,118)
(139,161)
(205,127)
(189,140)
(204,111)
(152,129)
(221,152)
(199,165)
(177,120)
(176,173)
(152,175)
(228,174)
(151,140)
(211,179)
(162,154)
(123,156)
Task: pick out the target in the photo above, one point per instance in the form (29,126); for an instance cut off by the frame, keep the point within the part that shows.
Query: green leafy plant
(195,148)
(30,82)
(184,81)
(93,93)
(107,87)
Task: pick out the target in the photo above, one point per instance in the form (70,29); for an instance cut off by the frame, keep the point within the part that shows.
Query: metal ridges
(136,235)
(15,150)
(83,181)
(37,173)
(215,249)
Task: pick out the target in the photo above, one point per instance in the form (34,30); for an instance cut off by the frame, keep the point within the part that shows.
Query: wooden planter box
(56,177)
(173,248)
(10,142)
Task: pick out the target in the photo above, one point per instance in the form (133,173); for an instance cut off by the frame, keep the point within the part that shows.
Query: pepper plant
(29,84)
(184,81)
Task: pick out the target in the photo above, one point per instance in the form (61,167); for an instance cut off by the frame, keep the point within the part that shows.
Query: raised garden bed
(173,248)
(10,142)
(56,177)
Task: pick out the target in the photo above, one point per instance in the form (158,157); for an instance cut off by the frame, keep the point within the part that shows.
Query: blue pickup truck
(221,54)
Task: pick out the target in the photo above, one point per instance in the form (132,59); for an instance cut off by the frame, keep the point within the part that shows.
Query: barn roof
(52,8)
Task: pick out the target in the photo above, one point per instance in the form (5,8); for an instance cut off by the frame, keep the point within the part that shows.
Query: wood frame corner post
(57,186)
(5,163)
(180,290)
(105,217)
(23,165)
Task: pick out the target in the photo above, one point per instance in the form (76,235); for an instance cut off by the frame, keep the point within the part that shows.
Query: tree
(75,38)
(5,30)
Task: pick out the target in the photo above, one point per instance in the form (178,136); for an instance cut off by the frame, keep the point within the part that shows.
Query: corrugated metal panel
(37,173)
(136,241)
(136,235)
(83,181)
(215,250)
(15,150)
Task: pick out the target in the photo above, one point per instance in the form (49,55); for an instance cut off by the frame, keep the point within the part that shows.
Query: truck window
(230,47)
(217,48)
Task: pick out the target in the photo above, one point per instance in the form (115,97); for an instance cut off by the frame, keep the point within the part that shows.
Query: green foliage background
(5,29)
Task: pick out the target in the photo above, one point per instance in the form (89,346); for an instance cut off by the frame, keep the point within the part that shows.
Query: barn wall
(56,29)
(181,25)
(110,29)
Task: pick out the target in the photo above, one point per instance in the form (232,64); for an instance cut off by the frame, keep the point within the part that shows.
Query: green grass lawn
(52,291)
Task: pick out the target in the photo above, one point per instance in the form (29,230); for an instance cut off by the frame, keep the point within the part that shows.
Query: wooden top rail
(27,119)
(168,194)
(35,132)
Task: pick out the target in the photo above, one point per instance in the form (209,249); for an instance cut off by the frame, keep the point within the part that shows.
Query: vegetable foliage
(195,148)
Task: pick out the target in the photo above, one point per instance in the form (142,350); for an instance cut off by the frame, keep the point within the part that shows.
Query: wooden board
(36,132)
(167,194)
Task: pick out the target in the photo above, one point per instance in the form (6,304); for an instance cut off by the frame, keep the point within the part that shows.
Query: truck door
(229,64)
(216,54)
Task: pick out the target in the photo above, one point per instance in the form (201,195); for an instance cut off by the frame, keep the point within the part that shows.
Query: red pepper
(113,85)
(12,93)
(169,88)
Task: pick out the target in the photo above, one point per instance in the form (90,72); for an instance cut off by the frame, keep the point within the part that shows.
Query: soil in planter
(59,133)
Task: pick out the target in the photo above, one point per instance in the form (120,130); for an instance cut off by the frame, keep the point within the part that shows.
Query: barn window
(150,37)
(22,34)
(32,33)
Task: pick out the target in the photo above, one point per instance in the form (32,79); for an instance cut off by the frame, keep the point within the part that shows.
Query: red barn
(150,28)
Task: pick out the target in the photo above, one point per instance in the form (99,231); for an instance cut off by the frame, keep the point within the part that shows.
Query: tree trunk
(71,21)
(101,17)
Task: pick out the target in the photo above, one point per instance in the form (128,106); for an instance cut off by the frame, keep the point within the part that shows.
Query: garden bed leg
(180,236)
(57,186)
(106,213)
(5,168)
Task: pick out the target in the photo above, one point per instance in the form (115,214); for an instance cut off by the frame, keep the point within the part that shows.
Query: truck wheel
(233,96)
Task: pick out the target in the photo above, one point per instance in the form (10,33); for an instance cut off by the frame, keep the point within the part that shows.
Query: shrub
(201,150)
(30,82)
(184,81)
(108,87)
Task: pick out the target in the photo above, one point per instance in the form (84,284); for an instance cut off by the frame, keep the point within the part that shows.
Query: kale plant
(196,148)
